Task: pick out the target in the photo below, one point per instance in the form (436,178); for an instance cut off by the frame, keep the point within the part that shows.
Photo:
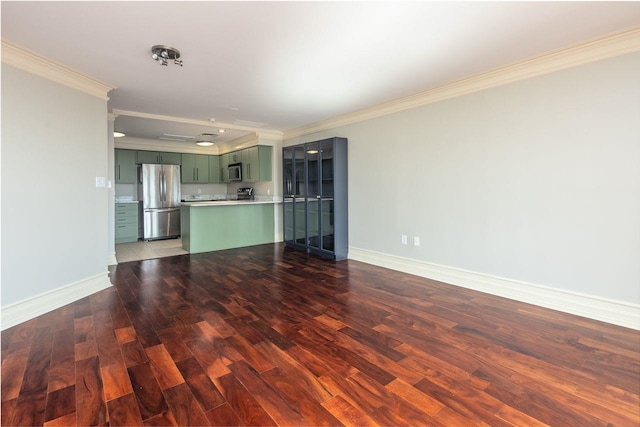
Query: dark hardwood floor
(267,336)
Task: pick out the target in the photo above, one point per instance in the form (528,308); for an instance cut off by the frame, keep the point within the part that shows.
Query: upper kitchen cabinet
(256,163)
(224,164)
(195,168)
(214,169)
(158,157)
(315,197)
(235,157)
(125,172)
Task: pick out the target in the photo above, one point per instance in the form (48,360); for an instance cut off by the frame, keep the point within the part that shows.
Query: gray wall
(54,219)
(536,181)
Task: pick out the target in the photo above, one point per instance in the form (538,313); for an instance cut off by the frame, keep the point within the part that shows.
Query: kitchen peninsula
(217,225)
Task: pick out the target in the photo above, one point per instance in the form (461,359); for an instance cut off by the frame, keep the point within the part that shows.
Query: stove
(245,193)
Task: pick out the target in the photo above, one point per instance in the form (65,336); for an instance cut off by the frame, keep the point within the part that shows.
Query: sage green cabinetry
(214,169)
(236,157)
(125,172)
(217,227)
(195,168)
(126,222)
(224,163)
(256,164)
(159,157)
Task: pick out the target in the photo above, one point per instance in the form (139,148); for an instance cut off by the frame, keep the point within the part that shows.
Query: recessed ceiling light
(221,130)
(204,143)
(234,109)
(118,134)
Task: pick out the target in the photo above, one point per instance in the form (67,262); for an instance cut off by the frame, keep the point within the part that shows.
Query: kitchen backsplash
(260,189)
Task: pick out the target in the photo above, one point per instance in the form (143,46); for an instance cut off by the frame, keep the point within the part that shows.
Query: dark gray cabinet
(315,197)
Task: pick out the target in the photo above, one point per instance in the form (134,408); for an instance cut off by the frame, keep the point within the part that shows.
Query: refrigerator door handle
(163,187)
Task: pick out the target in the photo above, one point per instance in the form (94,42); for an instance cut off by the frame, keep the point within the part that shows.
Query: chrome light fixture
(164,54)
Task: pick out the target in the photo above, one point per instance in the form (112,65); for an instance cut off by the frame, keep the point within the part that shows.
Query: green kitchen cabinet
(125,161)
(256,164)
(126,222)
(224,163)
(159,157)
(195,168)
(236,157)
(206,228)
(214,169)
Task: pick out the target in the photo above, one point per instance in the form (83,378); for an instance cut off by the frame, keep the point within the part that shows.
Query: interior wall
(536,181)
(54,219)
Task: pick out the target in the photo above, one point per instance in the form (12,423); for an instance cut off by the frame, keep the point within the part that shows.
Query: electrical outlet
(416,241)
(199,190)
(404,239)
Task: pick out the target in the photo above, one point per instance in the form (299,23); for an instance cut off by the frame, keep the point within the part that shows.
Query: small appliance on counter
(245,193)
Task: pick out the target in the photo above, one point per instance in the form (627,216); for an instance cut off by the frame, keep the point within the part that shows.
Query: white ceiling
(289,64)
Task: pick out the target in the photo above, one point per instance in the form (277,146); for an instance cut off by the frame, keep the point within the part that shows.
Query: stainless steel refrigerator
(159,190)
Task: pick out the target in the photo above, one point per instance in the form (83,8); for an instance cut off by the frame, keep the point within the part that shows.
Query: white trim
(33,307)
(617,44)
(592,307)
(111,259)
(132,143)
(265,133)
(33,63)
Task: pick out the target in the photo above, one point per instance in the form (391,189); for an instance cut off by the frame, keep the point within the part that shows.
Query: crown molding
(132,143)
(245,141)
(612,45)
(33,63)
(266,132)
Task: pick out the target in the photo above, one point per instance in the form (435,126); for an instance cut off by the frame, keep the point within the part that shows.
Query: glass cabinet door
(314,183)
(326,211)
(299,194)
(287,191)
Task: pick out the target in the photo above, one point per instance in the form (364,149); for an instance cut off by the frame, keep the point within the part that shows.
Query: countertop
(118,202)
(228,203)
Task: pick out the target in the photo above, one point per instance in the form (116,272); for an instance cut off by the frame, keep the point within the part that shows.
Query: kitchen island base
(214,227)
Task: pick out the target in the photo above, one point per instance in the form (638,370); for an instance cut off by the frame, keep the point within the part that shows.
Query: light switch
(101,182)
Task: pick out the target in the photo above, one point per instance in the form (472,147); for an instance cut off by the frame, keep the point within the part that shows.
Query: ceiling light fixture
(164,54)
(118,134)
(205,139)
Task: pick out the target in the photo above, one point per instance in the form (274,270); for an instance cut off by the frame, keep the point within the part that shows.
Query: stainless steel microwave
(234,172)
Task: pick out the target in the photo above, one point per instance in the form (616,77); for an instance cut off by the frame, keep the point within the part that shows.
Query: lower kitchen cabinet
(206,228)
(126,222)
(315,197)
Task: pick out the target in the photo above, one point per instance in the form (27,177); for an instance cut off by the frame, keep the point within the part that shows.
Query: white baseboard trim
(592,307)
(35,306)
(111,259)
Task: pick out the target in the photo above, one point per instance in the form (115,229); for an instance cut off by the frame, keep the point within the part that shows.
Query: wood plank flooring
(268,336)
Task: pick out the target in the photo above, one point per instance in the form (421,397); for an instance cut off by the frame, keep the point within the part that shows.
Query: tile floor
(147,250)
